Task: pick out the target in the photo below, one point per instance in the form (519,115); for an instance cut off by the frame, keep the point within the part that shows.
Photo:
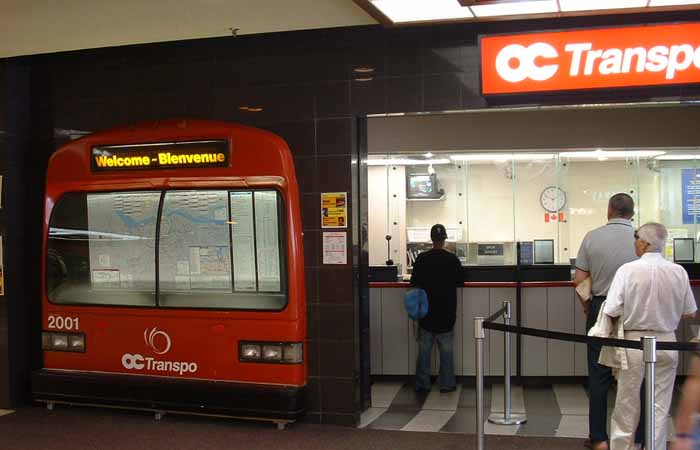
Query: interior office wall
(302,86)
(500,202)
(558,128)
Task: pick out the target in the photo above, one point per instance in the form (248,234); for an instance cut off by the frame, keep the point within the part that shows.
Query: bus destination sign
(159,156)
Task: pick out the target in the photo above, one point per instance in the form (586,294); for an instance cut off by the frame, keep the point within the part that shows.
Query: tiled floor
(552,411)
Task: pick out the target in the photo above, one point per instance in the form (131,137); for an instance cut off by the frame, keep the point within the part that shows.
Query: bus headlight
(46,341)
(59,341)
(76,343)
(293,353)
(63,342)
(271,352)
(250,352)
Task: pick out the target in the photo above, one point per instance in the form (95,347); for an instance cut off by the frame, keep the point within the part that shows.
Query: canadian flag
(553,217)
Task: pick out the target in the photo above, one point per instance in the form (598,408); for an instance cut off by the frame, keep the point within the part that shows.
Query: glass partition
(491,201)
(677,197)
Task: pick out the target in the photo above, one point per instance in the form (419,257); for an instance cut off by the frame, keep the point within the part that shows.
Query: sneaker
(446,390)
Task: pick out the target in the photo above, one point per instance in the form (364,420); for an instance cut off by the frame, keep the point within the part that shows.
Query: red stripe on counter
(493,284)
(481,284)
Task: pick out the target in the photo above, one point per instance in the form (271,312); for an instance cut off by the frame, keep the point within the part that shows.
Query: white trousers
(627,410)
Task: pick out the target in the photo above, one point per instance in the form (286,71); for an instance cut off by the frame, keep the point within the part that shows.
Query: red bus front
(174,272)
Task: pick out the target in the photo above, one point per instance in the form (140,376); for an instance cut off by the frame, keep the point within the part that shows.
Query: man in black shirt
(439,272)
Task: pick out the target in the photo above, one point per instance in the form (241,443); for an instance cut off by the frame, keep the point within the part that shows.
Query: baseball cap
(438,232)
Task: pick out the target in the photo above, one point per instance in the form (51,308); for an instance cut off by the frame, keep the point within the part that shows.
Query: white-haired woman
(651,296)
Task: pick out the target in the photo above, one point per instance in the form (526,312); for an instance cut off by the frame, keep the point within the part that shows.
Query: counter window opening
(491,201)
(212,249)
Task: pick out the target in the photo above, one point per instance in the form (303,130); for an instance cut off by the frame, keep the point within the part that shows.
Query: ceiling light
(515,8)
(673,157)
(421,10)
(428,155)
(673,2)
(363,69)
(612,154)
(503,157)
(590,5)
(405,162)
(364,79)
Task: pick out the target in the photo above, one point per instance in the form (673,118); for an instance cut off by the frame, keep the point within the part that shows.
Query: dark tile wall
(311,95)
(5,384)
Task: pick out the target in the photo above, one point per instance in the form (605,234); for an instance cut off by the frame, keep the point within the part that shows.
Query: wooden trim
(376,14)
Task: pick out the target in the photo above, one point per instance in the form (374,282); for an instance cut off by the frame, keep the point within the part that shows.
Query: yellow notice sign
(334,211)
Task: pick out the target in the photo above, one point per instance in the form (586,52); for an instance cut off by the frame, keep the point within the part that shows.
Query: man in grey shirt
(602,252)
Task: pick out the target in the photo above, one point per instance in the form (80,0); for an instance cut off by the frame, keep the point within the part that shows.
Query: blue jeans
(446,379)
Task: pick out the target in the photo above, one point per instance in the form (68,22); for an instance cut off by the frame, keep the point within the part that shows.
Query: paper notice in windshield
(267,241)
(242,239)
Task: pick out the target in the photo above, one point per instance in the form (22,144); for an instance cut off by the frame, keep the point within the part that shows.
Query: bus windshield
(221,249)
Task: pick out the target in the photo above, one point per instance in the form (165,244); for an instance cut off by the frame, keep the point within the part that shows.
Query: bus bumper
(249,400)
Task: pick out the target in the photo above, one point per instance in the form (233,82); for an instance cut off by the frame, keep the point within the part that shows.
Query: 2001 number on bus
(64,323)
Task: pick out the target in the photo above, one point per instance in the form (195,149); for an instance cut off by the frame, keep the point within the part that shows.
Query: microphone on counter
(389,261)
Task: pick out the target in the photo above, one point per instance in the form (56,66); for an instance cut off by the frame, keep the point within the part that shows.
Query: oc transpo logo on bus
(159,343)
(590,59)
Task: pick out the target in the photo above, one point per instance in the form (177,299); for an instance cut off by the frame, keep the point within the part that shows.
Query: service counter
(549,305)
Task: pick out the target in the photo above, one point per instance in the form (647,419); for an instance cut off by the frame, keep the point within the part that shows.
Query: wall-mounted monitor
(526,253)
(684,250)
(544,251)
(422,186)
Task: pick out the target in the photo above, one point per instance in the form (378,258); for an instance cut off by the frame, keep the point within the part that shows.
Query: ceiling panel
(44,26)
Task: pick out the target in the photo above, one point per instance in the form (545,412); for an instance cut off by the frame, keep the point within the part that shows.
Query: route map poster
(121,229)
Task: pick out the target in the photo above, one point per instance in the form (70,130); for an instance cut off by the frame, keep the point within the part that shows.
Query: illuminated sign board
(651,55)
(110,158)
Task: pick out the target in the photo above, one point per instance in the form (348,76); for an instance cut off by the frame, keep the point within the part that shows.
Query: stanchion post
(506,365)
(479,340)
(649,348)
(508,417)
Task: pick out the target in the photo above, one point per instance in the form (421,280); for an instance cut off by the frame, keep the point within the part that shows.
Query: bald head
(620,206)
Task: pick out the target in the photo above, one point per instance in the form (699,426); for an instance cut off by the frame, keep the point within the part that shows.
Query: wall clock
(553,199)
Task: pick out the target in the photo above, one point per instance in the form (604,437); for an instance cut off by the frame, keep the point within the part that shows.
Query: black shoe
(422,390)
(446,390)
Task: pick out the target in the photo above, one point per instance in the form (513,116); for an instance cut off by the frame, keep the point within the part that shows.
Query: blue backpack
(416,302)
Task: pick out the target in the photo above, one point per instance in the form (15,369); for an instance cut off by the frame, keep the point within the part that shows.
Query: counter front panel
(545,305)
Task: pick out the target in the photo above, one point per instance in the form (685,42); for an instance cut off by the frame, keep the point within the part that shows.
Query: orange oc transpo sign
(602,58)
